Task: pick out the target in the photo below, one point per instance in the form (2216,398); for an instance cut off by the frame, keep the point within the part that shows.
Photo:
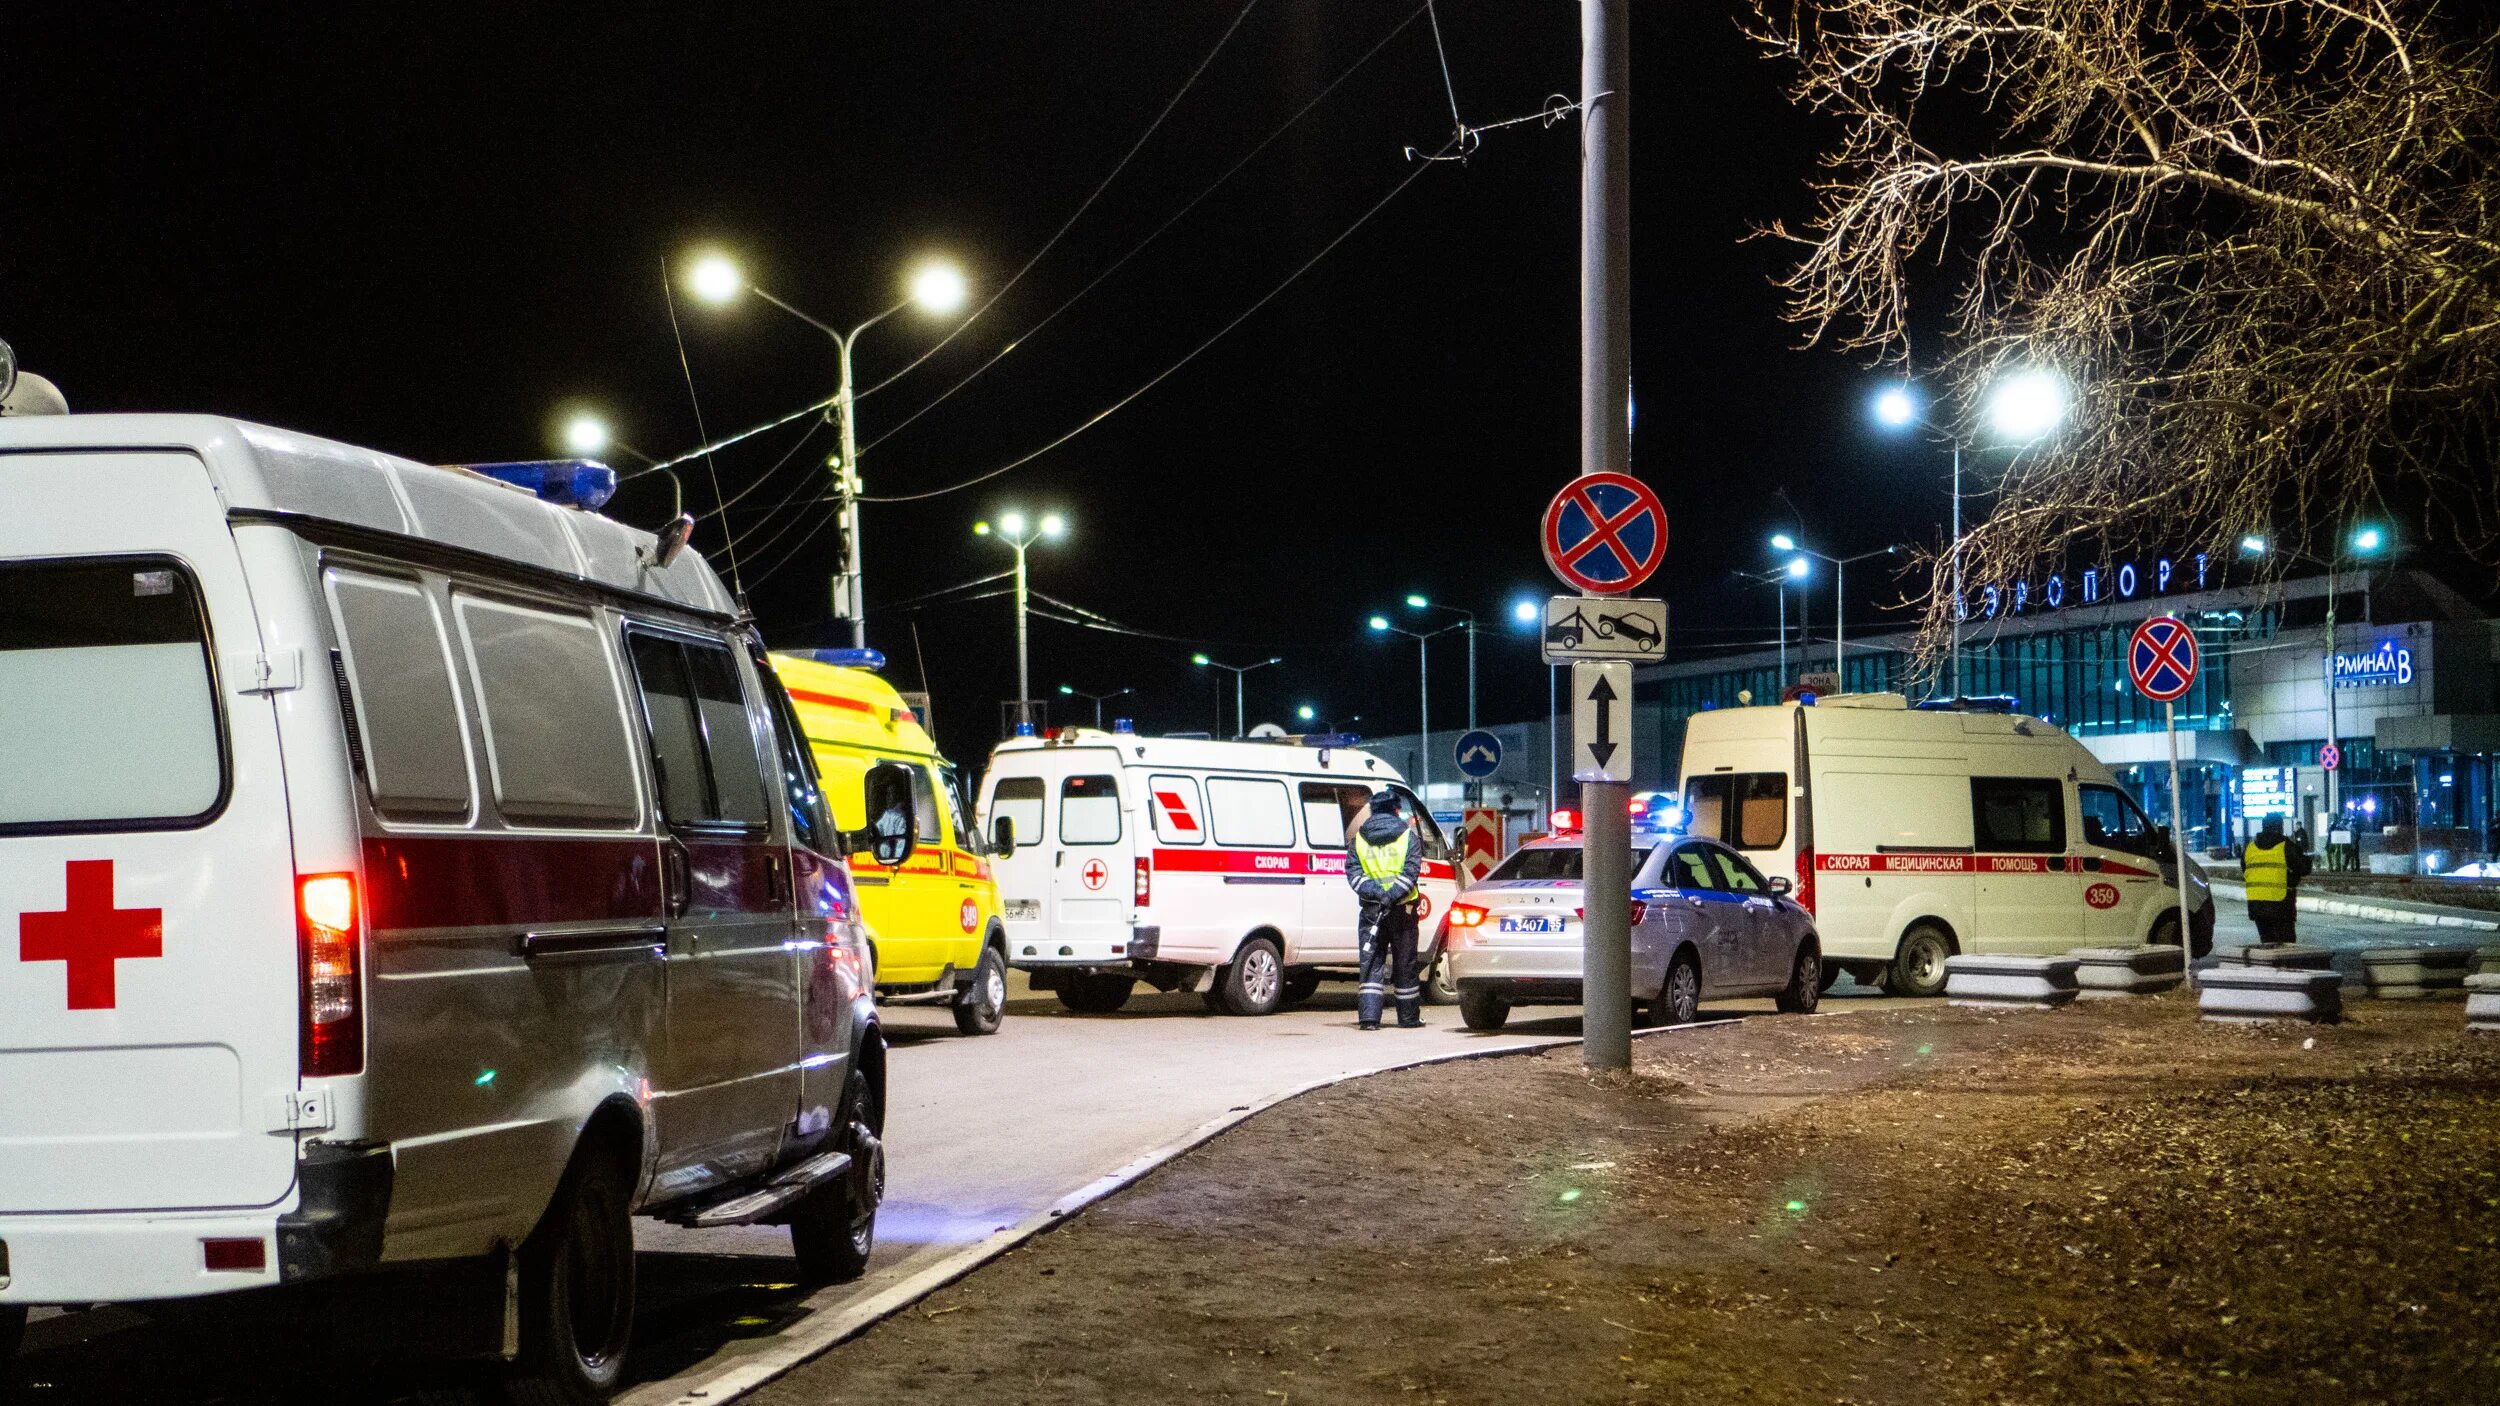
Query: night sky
(434,234)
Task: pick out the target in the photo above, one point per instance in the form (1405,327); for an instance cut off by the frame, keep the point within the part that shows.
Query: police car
(1706,925)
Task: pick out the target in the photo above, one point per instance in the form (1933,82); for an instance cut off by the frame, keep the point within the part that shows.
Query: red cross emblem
(1096,873)
(90,935)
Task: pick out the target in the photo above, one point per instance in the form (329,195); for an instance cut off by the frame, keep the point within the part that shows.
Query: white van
(402,870)
(1915,833)
(1176,861)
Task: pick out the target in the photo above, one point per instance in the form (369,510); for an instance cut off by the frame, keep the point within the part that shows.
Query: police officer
(1387,875)
(2266,868)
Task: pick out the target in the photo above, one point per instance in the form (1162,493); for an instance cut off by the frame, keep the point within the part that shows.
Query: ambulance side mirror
(893,830)
(1002,834)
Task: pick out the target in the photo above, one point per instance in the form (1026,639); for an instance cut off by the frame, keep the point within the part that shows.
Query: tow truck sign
(1604,627)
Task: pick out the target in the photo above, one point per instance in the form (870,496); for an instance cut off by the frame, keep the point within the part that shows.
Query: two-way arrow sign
(1601,722)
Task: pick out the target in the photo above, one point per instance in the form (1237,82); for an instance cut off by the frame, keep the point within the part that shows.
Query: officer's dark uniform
(1387,874)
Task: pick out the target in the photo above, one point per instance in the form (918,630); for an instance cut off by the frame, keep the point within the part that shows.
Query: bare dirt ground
(2112,1203)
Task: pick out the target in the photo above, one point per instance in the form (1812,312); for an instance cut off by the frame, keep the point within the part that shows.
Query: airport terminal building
(2406,690)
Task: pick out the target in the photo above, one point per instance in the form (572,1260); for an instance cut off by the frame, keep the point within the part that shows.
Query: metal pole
(1241,705)
(1957,571)
(1423,749)
(2178,846)
(1475,789)
(1553,737)
(1606,444)
(1024,662)
(848,485)
(1782,592)
(2334,811)
(1840,619)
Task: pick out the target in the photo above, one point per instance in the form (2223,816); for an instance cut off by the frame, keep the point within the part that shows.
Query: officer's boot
(1367,1008)
(1410,1013)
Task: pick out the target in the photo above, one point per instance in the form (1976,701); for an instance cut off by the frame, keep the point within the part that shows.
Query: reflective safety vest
(1382,864)
(2267,870)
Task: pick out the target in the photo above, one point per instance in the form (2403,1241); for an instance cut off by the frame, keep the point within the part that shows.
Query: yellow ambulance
(934,928)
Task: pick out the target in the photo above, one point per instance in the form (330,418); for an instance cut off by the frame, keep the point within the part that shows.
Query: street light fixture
(1097,699)
(2364,541)
(1241,716)
(1423,719)
(1798,569)
(1011,528)
(587,434)
(936,287)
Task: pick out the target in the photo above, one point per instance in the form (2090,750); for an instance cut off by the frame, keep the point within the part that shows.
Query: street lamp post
(937,287)
(1781,541)
(1423,719)
(1018,534)
(1796,569)
(1097,699)
(1467,621)
(1241,713)
(2366,541)
(2022,406)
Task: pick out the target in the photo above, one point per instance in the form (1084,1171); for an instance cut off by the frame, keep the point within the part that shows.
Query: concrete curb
(2389,910)
(819,1332)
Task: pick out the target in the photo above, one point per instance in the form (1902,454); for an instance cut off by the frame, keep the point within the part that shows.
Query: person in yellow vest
(1387,874)
(2266,867)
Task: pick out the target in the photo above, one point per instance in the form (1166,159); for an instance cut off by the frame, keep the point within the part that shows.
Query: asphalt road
(983,1134)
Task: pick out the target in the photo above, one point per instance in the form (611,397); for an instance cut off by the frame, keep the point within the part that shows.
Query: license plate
(1023,910)
(1532,925)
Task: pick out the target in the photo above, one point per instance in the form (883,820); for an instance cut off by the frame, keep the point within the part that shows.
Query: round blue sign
(1479,754)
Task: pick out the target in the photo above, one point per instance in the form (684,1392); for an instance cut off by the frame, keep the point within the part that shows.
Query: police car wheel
(1918,967)
(1679,996)
(834,1228)
(577,1292)
(1482,1010)
(1255,982)
(980,1006)
(1805,982)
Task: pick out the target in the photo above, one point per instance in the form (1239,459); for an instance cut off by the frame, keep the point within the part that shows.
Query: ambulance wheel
(1806,982)
(1094,993)
(1442,988)
(1918,967)
(1483,1010)
(833,1230)
(1300,986)
(981,1006)
(577,1292)
(1255,982)
(1679,996)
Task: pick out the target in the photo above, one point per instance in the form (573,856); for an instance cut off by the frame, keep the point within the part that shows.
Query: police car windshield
(1558,863)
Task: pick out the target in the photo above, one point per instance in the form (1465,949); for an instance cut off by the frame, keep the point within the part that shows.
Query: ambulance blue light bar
(1330,739)
(572,483)
(869,659)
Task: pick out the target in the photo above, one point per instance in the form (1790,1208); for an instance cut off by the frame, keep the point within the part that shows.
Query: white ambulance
(1180,862)
(1915,833)
(406,876)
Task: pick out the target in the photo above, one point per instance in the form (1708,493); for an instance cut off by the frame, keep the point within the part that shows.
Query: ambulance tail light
(1805,881)
(1145,881)
(330,960)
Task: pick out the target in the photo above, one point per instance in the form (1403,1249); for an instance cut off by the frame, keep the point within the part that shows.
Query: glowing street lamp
(2027,404)
(1241,715)
(1097,699)
(1012,529)
(587,435)
(937,287)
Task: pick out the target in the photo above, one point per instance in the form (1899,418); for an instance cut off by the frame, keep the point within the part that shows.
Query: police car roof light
(572,483)
(1124,726)
(1330,739)
(1024,729)
(1565,820)
(869,659)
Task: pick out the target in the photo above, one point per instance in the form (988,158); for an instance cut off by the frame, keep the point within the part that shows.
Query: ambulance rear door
(1093,851)
(148,989)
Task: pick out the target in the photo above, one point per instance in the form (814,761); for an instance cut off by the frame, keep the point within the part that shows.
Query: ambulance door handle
(675,889)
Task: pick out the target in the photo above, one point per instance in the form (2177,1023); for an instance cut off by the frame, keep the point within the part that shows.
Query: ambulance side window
(1328,809)
(556,744)
(2111,820)
(1252,814)
(959,815)
(1747,809)
(407,715)
(1019,798)
(809,825)
(1435,847)
(924,803)
(1176,810)
(2018,814)
(1089,810)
